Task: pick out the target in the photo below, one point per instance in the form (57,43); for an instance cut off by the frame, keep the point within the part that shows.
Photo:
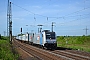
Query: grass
(75,42)
(6,50)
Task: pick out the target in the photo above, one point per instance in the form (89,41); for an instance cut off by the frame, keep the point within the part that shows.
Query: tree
(0,36)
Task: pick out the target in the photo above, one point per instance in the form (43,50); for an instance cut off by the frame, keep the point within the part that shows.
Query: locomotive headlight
(54,42)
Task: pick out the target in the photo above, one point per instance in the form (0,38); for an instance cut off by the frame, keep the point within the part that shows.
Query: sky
(70,17)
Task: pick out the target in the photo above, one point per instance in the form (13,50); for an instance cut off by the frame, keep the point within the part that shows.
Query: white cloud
(36,7)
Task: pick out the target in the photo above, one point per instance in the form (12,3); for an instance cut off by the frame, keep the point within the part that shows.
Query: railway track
(38,53)
(24,54)
(72,55)
(41,54)
(87,54)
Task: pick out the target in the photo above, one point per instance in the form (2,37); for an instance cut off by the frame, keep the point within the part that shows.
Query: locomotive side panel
(41,39)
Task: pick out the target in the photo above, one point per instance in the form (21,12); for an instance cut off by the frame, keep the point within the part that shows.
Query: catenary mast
(9,21)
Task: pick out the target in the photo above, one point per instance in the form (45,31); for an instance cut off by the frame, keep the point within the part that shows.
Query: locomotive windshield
(50,35)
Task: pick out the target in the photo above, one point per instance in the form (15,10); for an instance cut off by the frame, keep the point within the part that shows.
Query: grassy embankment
(6,50)
(75,42)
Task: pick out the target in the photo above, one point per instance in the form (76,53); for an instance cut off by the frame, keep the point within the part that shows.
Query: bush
(6,50)
(75,42)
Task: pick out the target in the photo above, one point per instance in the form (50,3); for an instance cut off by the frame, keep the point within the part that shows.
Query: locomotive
(46,39)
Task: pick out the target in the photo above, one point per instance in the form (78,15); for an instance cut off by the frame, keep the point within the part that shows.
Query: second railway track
(72,55)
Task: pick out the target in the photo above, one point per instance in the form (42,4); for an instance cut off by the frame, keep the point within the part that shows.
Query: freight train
(46,39)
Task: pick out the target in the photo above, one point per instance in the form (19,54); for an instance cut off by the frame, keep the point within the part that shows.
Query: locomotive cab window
(50,35)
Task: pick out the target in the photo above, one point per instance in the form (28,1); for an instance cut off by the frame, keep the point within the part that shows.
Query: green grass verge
(74,42)
(6,50)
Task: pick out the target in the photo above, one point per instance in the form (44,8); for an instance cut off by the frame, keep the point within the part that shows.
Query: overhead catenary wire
(81,17)
(71,21)
(28,10)
(49,16)
(55,18)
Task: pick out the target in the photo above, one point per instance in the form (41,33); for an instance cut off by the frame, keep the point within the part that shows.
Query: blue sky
(70,16)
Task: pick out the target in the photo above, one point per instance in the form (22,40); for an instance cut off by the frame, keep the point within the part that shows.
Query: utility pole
(52,25)
(9,21)
(8,18)
(86,30)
